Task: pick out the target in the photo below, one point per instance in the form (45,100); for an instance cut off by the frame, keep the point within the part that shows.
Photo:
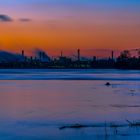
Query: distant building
(43,57)
(64,60)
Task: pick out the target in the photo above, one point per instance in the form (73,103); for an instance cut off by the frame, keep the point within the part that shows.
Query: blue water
(55,74)
(34,104)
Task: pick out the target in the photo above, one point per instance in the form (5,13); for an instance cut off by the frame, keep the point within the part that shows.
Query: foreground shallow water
(37,109)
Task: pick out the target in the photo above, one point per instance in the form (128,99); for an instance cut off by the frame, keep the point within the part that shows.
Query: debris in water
(133,123)
(107,84)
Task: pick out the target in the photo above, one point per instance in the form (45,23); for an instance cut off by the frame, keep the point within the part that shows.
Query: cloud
(24,19)
(5,18)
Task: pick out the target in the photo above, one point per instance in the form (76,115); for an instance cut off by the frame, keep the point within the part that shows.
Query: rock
(107,84)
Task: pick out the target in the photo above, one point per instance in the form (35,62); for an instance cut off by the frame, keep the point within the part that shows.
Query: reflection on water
(36,109)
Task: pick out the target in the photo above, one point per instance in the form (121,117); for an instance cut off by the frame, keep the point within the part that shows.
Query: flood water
(35,104)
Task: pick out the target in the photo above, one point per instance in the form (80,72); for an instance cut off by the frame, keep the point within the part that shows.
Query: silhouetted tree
(125,54)
(138,53)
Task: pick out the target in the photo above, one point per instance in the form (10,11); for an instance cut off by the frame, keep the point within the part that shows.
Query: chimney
(78,54)
(22,53)
(112,55)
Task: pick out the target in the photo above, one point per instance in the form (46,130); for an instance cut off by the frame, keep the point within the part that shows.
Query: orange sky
(69,29)
(66,35)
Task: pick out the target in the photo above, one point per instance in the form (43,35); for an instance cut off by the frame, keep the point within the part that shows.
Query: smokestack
(78,54)
(112,55)
(23,53)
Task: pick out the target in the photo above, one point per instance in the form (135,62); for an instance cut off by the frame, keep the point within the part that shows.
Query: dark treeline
(42,60)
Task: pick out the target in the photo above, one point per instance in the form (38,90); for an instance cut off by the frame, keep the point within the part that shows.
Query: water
(55,74)
(34,104)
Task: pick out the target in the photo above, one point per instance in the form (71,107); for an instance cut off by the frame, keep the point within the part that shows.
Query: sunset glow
(67,25)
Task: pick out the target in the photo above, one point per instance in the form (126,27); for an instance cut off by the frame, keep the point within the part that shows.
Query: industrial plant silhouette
(42,60)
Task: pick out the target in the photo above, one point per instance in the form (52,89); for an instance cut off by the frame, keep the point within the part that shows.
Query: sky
(54,25)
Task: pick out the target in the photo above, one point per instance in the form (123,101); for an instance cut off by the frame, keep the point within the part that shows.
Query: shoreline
(68,68)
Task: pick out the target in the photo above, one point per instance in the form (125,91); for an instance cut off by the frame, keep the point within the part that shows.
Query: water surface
(34,104)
